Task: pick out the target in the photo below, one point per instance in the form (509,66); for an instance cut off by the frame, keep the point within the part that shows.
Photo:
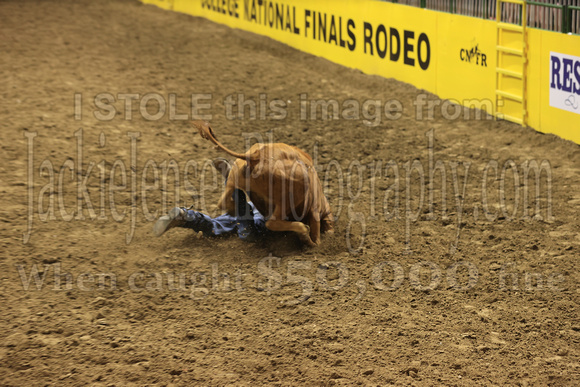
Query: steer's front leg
(300,228)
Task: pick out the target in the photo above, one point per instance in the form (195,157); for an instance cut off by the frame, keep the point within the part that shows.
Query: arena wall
(450,55)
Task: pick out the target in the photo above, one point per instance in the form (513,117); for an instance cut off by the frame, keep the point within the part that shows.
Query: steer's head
(231,172)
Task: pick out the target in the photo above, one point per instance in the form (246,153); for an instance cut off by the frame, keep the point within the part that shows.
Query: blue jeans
(250,225)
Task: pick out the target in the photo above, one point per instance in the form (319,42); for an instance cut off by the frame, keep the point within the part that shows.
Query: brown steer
(282,183)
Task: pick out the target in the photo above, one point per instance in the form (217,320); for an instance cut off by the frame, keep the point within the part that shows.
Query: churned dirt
(398,295)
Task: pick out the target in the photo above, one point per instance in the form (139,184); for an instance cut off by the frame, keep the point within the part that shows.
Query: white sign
(565,82)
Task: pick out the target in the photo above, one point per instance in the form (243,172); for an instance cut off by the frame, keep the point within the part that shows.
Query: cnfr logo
(473,55)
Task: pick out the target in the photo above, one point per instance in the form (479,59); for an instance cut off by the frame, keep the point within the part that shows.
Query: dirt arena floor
(401,294)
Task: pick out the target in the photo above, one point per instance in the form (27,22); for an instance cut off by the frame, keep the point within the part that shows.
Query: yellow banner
(354,34)
(452,56)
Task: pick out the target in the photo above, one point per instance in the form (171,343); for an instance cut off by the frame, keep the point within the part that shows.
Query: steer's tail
(206,132)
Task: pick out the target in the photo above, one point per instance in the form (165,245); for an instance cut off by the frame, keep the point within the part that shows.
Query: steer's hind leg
(300,228)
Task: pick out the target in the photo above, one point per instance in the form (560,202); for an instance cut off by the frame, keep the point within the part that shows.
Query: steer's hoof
(305,237)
